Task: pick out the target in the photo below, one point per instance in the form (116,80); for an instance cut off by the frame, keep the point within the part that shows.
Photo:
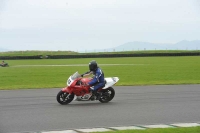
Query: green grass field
(25,74)
(167,130)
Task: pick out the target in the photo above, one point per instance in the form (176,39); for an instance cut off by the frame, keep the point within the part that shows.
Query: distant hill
(187,45)
(182,45)
(138,46)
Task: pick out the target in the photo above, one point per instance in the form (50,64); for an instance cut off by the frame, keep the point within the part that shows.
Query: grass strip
(161,130)
(53,73)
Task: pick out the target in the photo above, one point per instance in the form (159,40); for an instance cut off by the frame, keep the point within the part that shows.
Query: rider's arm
(86,74)
(96,78)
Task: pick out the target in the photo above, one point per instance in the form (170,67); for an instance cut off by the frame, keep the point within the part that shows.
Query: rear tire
(64,98)
(107,95)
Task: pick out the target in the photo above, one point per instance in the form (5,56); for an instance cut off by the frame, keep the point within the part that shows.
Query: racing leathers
(98,79)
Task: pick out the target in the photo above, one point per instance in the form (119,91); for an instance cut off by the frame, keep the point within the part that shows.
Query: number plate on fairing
(69,81)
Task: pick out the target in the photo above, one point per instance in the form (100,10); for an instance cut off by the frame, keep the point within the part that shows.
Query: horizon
(126,47)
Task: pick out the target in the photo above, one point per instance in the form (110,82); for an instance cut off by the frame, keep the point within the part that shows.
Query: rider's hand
(86,84)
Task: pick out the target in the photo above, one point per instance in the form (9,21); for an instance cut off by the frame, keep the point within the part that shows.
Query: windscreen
(75,76)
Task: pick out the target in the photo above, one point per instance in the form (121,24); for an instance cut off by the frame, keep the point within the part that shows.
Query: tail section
(111,81)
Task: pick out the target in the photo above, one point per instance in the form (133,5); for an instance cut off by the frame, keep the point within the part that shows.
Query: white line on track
(76,65)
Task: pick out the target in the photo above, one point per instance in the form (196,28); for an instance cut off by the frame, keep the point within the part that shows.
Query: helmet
(93,65)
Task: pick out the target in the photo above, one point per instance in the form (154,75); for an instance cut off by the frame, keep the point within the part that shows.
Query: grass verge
(49,73)
(163,130)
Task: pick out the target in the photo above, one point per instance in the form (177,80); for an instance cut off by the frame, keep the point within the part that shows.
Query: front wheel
(107,95)
(64,97)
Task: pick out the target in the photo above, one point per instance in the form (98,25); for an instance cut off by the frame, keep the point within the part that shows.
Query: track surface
(38,110)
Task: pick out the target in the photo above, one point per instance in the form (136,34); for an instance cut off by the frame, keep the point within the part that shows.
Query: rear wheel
(64,97)
(107,95)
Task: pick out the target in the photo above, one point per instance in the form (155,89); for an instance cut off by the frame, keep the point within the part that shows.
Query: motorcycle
(76,87)
(4,65)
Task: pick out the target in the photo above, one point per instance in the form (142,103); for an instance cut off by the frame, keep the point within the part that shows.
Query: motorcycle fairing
(110,82)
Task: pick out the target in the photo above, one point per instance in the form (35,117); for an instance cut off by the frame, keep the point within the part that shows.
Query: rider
(98,80)
(3,63)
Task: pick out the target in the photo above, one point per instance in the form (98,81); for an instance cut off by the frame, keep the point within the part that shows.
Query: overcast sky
(80,25)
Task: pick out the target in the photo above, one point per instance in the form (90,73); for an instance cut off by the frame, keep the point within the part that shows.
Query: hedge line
(97,56)
(120,55)
(20,57)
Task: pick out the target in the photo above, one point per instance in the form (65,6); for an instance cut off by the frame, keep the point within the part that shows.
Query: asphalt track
(38,110)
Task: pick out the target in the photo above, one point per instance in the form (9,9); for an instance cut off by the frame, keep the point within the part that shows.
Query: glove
(86,84)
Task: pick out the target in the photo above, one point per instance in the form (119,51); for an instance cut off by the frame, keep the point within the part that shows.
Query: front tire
(64,98)
(107,95)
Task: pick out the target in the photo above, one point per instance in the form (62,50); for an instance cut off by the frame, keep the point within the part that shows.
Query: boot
(98,95)
(93,97)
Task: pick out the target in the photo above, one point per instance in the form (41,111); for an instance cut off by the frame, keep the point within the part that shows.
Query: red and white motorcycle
(76,86)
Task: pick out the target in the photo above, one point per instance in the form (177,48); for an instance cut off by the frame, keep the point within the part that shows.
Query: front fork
(67,89)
